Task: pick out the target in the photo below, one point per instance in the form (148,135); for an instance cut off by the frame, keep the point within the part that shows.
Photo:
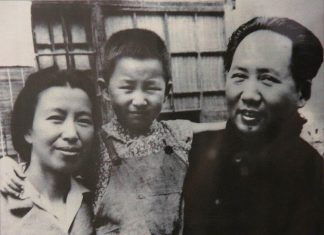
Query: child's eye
(126,87)
(153,88)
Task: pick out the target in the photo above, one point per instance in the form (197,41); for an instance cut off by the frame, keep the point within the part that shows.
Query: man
(258,176)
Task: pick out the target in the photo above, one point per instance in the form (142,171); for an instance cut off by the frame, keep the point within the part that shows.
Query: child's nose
(139,99)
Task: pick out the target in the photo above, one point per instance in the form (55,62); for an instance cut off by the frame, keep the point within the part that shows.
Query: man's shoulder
(307,151)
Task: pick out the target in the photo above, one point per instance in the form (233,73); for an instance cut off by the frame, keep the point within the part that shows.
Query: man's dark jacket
(273,186)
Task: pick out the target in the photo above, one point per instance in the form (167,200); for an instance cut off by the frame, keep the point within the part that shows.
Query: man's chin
(249,131)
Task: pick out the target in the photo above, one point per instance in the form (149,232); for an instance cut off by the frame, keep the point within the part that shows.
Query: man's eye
(238,77)
(268,79)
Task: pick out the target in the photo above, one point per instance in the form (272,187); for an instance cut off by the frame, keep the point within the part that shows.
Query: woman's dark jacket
(273,186)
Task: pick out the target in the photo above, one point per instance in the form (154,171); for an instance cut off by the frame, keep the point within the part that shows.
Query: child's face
(136,90)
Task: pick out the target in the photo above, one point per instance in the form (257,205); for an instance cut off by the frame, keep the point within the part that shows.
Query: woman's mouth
(69,151)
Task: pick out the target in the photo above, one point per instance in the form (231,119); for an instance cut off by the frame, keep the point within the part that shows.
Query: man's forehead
(263,48)
(261,38)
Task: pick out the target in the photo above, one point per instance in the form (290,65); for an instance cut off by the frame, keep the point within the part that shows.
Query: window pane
(82,62)
(78,33)
(57,32)
(61,61)
(42,33)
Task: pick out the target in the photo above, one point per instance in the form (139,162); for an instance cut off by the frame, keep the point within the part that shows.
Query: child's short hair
(138,44)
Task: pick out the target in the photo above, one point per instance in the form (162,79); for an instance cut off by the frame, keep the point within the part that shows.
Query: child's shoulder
(181,129)
(177,124)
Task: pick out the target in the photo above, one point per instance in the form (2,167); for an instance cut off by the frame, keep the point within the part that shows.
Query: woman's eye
(56,118)
(87,121)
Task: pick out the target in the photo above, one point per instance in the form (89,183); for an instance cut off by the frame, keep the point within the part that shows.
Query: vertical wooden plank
(10,88)
(198,71)
(66,39)
(152,22)
(181,38)
(3,152)
(134,19)
(167,41)
(117,21)
(98,36)
(99,39)
(51,36)
(22,74)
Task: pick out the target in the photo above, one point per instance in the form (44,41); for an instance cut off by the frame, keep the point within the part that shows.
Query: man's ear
(301,100)
(27,137)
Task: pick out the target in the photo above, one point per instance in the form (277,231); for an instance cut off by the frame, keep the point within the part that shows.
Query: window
(62,36)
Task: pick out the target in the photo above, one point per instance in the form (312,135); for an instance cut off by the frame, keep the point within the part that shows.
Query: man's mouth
(251,117)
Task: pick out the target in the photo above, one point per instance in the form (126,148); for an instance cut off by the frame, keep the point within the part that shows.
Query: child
(147,160)
(143,162)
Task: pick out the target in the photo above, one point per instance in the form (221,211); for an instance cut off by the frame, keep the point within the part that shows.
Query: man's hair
(27,100)
(307,51)
(138,44)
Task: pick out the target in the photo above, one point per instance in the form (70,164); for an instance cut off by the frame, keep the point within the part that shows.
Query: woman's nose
(69,131)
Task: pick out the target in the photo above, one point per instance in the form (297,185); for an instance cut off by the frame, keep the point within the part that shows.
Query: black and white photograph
(161,117)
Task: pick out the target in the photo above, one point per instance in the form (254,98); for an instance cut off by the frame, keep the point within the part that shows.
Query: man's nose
(251,94)
(139,99)
(69,131)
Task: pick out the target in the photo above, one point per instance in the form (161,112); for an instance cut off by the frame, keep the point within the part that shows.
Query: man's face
(260,89)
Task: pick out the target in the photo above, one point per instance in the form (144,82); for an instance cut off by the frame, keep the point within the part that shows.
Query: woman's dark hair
(307,51)
(26,102)
(138,44)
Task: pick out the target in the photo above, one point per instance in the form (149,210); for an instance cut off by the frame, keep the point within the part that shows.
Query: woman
(53,125)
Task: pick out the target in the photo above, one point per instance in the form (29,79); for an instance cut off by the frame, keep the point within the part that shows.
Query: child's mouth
(137,115)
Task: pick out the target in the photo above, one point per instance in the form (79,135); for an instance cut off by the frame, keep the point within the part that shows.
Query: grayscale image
(161,117)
